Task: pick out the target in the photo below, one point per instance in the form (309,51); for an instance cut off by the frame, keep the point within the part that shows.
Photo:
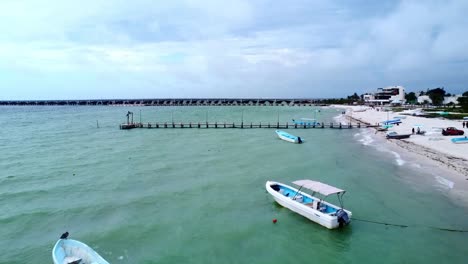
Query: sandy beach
(433,145)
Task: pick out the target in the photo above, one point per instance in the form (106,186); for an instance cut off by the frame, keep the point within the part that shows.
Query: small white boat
(69,251)
(316,209)
(395,135)
(460,140)
(288,137)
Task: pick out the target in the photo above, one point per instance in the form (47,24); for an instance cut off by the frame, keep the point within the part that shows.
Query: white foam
(366,140)
(399,161)
(120,257)
(444,182)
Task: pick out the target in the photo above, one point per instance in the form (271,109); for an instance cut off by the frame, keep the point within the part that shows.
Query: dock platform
(241,125)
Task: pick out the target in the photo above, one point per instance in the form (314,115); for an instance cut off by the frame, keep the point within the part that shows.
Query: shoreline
(441,153)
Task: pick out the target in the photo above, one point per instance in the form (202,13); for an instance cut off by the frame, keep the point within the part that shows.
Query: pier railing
(241,125)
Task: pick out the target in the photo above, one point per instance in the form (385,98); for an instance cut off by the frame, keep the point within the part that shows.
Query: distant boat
(384,127)
(311,206)
(460,140)
(306,122)
(69,251)
(395,135)
(391,121)
(288,137)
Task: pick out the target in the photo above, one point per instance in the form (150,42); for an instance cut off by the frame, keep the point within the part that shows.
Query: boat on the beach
(395,121)
(384,127)
(460,140)
(395,135)
(288,137)
(69,251)
(310,206)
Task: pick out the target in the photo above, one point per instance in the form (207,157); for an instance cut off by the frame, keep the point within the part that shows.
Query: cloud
(229,48)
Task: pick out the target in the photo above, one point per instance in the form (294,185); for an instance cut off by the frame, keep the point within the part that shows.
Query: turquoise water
(198,195)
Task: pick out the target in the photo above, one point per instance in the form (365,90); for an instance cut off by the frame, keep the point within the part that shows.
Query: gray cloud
(229,48)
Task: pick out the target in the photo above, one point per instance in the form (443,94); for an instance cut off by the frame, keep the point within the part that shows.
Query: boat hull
(69,250)
(398,136)
(328,220)
(463,140)
(288,137)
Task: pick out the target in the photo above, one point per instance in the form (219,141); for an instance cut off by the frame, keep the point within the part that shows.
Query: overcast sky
(58,49)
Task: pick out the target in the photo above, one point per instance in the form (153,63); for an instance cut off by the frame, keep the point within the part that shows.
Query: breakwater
(173,102)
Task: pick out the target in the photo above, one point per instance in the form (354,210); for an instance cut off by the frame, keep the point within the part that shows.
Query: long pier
(173,102)
(240,125)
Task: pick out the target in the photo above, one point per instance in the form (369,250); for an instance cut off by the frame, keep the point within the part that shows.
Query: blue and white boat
(288,137)
(460,140)
(391,121)
(69,251)
(311,206)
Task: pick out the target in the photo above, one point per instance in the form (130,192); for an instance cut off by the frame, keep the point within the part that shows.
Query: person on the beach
(463,124)
(419,131)
(412,130)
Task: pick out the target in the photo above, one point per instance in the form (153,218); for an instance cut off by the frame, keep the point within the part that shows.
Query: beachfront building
(424,99)
(386,95)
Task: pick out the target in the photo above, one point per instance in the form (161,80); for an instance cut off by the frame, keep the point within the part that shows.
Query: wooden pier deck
(240,125)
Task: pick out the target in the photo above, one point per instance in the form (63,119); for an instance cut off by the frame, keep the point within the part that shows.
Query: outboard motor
(343,218)
(299,140)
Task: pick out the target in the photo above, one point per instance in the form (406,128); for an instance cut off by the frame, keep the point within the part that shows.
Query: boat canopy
(319,187)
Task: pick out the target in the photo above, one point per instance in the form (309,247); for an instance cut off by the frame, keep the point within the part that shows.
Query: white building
(424,98)
(386,95)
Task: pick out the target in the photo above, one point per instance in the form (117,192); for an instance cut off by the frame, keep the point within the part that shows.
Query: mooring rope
(404,226)
(380,223)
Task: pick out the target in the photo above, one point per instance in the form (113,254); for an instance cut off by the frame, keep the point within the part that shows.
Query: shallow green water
(198,195)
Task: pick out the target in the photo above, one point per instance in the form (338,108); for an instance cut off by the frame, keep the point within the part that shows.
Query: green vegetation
(411,98)
(352,99)
(463,101)
(448,116)
(437,95)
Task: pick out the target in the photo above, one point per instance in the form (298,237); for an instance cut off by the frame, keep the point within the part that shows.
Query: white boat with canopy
(312,206)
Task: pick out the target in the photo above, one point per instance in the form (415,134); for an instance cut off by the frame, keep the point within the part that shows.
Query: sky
(96,49)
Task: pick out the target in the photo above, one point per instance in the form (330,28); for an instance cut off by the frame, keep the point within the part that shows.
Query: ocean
(198,195)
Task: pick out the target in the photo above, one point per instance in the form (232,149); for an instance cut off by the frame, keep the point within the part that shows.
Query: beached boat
(460,140)
(69,251)
(395,121)
(309,205)
(384,127)
(288,137)
(395,135)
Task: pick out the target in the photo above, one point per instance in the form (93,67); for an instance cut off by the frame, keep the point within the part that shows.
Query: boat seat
(71,260)
(315,204)
(298,198)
